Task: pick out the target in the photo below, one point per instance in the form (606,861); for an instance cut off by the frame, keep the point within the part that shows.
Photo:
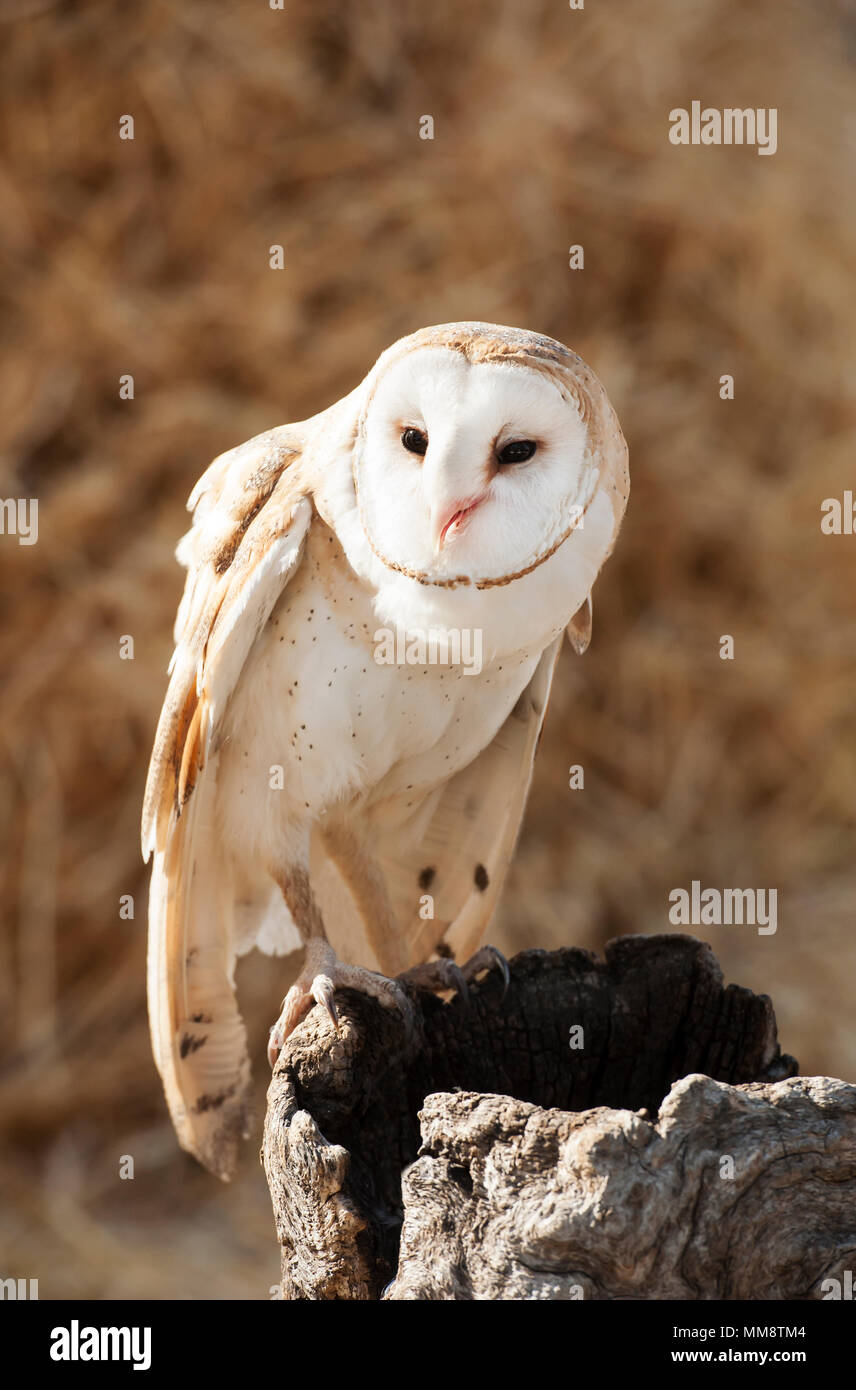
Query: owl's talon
(438,975)
(488,958)
(274,1046)
(460,980)
(322,993)
(322,975)
(442,974)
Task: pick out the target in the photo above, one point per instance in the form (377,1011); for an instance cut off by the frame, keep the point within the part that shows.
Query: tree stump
(661,1152)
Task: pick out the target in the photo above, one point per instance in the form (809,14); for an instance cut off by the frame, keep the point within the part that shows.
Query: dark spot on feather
(201,1018)
(426,878)
(207,1102)
(480,878)
(191,1043)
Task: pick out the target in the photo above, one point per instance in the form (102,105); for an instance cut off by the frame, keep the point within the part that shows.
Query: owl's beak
(450,518)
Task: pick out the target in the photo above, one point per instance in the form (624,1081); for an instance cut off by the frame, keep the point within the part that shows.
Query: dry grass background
(300,127)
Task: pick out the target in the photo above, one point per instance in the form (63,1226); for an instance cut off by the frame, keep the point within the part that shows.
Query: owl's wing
(458,851)
(250,523)
(579,628)
(470,839)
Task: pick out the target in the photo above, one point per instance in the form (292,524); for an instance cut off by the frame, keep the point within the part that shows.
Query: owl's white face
(469,470)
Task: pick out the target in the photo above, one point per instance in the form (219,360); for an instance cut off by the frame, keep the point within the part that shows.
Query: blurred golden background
(300,127)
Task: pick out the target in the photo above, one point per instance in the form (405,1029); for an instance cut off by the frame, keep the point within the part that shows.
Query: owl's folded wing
(443,876)
(249,527)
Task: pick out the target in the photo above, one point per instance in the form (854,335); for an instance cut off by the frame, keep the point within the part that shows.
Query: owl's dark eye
(414,441)
(518,451)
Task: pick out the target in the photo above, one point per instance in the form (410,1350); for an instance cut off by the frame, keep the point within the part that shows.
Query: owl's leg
(322,971)
(442,974)
(361,872)
(359,868)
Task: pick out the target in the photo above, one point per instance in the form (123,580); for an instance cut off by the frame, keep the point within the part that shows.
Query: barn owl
(304,792)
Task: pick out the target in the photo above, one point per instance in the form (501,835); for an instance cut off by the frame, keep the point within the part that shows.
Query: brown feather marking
(225,556)
(280,458)
(191,1042)
(206,1102)
(193,757)
(178,750)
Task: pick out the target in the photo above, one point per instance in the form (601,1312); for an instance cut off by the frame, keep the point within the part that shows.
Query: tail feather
(198,1036)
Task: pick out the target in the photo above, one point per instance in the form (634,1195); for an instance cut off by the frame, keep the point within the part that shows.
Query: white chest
(334,709)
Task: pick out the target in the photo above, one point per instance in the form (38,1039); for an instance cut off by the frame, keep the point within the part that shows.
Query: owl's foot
(488,958)
(438,975)
(322,974)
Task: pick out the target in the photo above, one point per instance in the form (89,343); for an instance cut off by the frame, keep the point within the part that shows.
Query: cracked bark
(478,1155)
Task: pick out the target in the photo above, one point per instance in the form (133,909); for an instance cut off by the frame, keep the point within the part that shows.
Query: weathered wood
(737,1192)
(343,1125)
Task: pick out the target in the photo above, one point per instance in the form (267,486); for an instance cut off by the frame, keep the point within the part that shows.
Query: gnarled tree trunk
(607,1129)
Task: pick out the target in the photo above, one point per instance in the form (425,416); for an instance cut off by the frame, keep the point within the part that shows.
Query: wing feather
(457,849)
(251,519)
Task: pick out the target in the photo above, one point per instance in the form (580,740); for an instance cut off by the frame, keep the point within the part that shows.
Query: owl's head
(479,451)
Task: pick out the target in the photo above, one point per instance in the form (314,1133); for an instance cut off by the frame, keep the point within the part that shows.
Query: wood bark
(473,1152)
